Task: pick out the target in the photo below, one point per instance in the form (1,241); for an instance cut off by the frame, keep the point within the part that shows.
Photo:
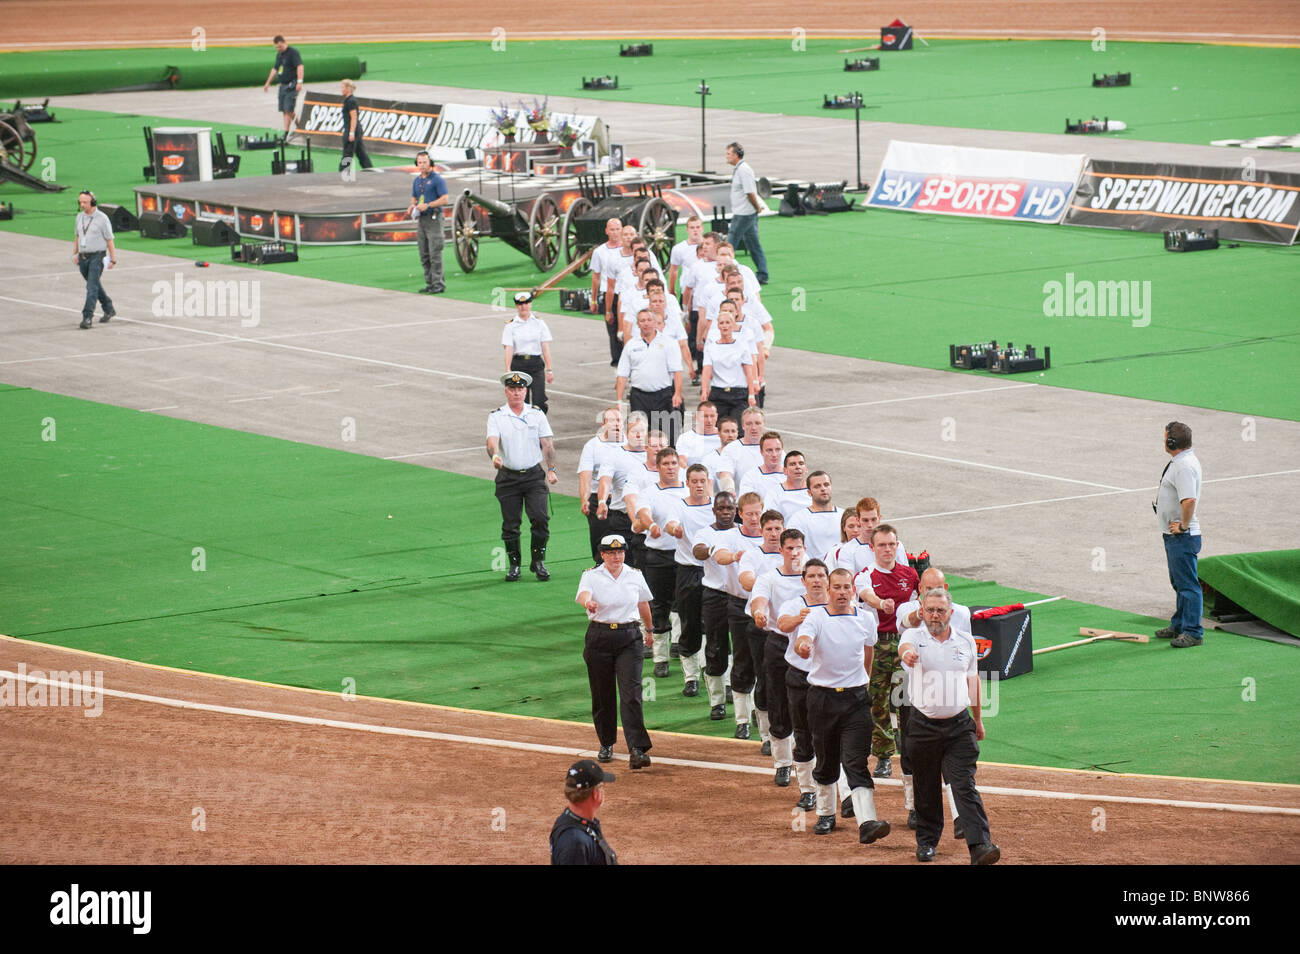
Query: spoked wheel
(544,232)
(572,250)
(659,229)
(12,148)
(465,232)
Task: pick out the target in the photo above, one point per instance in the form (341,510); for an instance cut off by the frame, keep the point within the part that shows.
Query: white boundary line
(914,397)
(572,751)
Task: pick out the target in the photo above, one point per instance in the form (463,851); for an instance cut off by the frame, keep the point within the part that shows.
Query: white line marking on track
(475,447)
(263,397)
(165,407)
(73,273)
(914,397)
(572,751)
(327,391)
(954,460)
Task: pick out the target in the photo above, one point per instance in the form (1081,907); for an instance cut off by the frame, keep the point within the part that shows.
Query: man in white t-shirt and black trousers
(715,603)
(660,567)
(619,477)
(837,640)
(606,263)
(608,437)
(694,445)
(684,520)
(769,473)
(820,520)
(685,253)
(745,207)
(701,270)
(747,453)
(650,374)
(945,728)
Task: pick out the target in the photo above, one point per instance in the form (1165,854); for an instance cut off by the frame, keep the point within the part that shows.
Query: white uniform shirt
(759,481)
(742,184)
(693,518)
(936,685)
(525,337)
(758,561)
(605,263)
(623,467)
(820,529)
(684,255)
(776,587)
(744,458)
(715,576)
(590,457)
(792,607)
(695,446)
(728,362)
(616,599)
(717,462)
(1181,479)
(838,641)
(650,365)
(659,500)
(520,435)
(864,558)
(788,502)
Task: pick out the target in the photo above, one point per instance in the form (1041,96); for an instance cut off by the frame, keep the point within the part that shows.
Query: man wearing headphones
(94,239)
(745,206)
(1175,507)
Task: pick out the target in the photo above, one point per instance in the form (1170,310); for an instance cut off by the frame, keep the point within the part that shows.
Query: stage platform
(322,208)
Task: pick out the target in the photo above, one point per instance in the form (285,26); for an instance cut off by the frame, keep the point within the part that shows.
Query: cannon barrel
(496,208)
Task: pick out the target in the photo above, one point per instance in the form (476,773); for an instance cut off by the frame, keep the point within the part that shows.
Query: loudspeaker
(1004,644)
(121,218)
(213,232)
(161,225)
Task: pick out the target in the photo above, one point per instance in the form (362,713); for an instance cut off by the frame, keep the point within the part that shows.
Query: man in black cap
(576,838)
(519,438)
(615,596)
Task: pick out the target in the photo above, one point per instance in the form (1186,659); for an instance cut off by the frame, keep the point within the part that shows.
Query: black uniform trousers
(716,606)
(535,366)
(355,147)
(744,668)
(616,521)
(687,597)
(778,706)
(796,691)
(693,329)
(840,720)
(939,749)
(731,402)
(611,328)
(516,491)
(658,408)
(613,657)
(661,576)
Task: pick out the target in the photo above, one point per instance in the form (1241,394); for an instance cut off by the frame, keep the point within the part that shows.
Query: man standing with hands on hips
(616,597)
(428,197)
(745,206)
(94,240)
(519,438)
(1175,507)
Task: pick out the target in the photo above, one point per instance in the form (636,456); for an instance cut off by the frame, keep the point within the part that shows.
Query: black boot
(512,551)
(537,566)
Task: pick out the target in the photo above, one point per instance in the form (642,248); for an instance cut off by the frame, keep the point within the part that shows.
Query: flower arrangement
(539,115)
(565,134)
(504,120)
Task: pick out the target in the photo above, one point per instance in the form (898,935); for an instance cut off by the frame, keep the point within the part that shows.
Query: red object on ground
(997,611)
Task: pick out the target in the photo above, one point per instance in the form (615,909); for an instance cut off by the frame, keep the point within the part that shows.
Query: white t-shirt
(728,362)
(659,501)
(837,660)
(744,458)
(728,538)
(820,529)
(617,600)
(793,607)
(525,337)
(694,446)
(693,518)
(790,501)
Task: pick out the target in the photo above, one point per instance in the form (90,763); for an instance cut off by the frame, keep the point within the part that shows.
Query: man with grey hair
(945,728)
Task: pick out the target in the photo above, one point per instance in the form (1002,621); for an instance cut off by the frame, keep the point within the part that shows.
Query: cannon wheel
(11,148)
(465,232)
(659,228)
(581,206)
(544,232)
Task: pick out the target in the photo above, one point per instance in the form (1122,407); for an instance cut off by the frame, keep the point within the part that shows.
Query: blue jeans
(743,233)
(1180,552)
(92,267)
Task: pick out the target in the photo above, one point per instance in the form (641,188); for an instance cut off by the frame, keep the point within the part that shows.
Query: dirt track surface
(61,24)
(132,785)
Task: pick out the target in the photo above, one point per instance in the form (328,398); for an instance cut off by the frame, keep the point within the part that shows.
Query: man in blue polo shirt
(428,196)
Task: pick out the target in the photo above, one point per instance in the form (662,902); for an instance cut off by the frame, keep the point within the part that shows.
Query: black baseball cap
(587,774)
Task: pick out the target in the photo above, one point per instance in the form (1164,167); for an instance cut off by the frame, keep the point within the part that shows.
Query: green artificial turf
(890,286)
(192,546)
(1180,93)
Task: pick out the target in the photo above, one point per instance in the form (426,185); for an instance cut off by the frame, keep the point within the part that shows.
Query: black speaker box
(213,232)
(1004,644)
(121,218)
(161,225)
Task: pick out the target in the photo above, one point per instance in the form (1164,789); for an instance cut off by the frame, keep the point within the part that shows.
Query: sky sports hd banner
(389,127)
(1243,203)
(985,183)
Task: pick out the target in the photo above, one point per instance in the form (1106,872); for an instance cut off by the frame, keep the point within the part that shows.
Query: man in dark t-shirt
(576,838)
(288,72)
(354,140)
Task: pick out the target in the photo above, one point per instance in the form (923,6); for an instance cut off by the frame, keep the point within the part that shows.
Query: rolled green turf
(889,286)
(192,546)
(1263,583)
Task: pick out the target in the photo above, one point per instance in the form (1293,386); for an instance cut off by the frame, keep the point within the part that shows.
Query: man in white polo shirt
(837,640)
(945,728)
(745,207)
(651,367)
(1175,507)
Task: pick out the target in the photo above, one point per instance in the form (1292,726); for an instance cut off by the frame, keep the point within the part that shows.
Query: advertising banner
(388,126)
(1244,203)
(984,183)
(471,127)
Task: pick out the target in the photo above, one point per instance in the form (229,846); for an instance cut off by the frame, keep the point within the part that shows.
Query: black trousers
(534,365)
(516,491)
(716,605)
(778,700)
(613,657)
(688,596)
(693,329)
(731,402)
(597,528)
(939,749)
(757,640)
(611,328)
(796,691)
(744,671)
(661,576)
(658,408)
(841,729)
(358,148)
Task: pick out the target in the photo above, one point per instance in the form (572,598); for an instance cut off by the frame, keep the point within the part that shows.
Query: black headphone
(94,203)
(1172,443)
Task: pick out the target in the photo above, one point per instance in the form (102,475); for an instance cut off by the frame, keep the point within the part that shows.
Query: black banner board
(1244,203)
(388,126)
